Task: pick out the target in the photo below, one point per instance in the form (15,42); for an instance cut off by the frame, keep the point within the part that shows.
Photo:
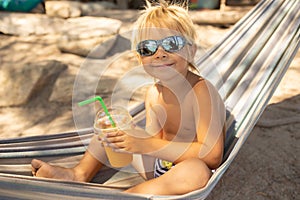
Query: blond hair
(172,16)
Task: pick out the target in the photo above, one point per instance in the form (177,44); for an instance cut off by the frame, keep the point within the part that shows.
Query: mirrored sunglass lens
(151,45)
(172,44)
(147,47)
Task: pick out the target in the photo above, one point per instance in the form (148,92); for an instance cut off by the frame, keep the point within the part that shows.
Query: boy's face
(165,65)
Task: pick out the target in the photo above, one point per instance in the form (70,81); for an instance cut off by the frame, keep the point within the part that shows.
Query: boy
(185,116)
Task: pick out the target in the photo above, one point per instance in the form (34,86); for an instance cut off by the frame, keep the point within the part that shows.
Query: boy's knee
(194,165)
(194,173)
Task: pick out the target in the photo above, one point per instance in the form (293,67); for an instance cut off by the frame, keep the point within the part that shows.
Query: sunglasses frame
(160,43)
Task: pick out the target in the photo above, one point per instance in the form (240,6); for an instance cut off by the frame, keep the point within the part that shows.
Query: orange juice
(103,125)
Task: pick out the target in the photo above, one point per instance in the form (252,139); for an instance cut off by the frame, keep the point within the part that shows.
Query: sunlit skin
(184,124)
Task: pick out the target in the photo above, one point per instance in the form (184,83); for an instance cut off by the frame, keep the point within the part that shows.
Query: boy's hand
(128,141)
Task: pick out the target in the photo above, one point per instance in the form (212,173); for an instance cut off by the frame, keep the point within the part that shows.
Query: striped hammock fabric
(250,60)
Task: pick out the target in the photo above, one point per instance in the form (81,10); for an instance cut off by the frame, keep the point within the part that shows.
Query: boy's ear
(192,52)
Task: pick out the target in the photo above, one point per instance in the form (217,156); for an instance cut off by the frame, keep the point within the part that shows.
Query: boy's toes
(35,165)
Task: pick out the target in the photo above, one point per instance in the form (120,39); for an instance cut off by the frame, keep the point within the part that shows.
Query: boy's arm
(153,127)
(210,131)
(210,121)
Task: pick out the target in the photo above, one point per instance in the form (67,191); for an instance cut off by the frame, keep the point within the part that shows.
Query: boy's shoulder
(204,86)
(152,92)
(196,80)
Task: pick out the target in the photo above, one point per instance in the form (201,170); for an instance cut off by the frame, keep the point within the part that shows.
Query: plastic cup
(103,125)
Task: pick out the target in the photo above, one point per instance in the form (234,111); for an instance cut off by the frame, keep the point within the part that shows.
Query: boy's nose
(160,53)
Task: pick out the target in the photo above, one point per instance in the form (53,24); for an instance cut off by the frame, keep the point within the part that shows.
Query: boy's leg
(184,177)
(85,170)
(144,165)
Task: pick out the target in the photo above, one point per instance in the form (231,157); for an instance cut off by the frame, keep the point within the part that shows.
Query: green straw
(98,98)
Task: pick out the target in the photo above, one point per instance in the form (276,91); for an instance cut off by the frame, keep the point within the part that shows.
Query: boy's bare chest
(177,118)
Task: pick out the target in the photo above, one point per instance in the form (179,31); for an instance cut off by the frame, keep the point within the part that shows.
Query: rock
(69,9)
(123,4)
(81,35)
(110,47)
(25,24)
(78,83)
(122,44)
(63,87)
(63,9)
(20,50)
(88,47)
(89,27)
(98,77)
(20,84)
(120,78)
(90,8)
(217,17)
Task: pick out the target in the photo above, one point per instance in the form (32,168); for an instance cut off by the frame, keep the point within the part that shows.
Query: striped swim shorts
(161,167)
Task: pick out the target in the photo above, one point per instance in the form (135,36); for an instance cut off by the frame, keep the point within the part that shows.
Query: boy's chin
(161,72)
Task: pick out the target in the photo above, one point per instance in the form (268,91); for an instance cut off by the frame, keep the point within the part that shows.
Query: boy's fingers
(114,134)
(114,139)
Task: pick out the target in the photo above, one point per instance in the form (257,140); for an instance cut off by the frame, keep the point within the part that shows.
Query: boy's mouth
(163,65)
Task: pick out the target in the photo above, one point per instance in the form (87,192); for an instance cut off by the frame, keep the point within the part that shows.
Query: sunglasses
(169,44)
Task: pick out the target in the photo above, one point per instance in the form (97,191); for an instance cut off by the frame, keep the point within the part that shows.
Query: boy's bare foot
(42,169)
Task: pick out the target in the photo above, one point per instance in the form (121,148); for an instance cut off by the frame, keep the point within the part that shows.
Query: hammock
(251,60)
